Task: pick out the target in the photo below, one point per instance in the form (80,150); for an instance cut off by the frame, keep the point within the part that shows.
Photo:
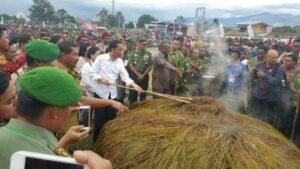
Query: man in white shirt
(105,71)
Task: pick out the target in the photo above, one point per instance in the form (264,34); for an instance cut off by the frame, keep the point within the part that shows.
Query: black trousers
(133,95)
(102,115)
(264,110)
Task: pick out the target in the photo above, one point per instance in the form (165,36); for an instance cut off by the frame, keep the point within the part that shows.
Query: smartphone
(84,116)
(31,160)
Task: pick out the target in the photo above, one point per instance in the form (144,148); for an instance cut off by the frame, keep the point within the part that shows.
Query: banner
(269,30)
(250,31)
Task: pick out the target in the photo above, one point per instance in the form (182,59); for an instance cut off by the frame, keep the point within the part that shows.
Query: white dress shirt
(110,70)
(86,81)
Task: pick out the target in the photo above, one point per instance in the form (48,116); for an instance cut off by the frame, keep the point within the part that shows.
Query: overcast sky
(162,9)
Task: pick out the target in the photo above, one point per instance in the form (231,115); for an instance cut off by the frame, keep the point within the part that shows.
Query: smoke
(215,87)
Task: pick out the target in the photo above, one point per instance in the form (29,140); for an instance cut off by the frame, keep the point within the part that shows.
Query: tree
(120,18)
(216,21)
(103,15)
(62,16)
(6,17)
(41,10)
(112,21)
(20,20)
(144,19)
(130,25)
(180,20)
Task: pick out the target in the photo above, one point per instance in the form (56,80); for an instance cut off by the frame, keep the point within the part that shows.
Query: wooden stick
(153,93)
(169,97)
(295,120)
(179,97)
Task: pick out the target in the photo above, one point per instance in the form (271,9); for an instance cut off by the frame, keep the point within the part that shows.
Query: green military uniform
(295,83)
(121,91)
(18,135)
(289,116)
(192,72)
(177,58)
(140,60)
(51,87)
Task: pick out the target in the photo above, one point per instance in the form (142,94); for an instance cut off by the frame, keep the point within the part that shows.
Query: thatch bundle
(164,134)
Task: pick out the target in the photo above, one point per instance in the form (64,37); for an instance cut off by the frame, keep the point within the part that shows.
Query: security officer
(140,64)
(45,103)
(130,49)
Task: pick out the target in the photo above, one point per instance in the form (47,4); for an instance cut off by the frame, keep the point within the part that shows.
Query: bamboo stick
(154,93)
(295,120)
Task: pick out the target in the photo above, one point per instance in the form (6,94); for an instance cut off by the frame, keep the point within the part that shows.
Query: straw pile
(163,134)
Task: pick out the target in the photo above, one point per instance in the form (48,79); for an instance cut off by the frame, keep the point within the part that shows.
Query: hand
(137,88)
(140,77)
(93,160)
(178,72)
(261,73)
(104,81)
(118,106)
(73,135)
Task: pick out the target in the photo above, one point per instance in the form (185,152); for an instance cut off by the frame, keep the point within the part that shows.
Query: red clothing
(13,66)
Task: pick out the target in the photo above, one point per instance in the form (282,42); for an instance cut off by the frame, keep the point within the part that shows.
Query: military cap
(42,50)
(143,41)
(51,86)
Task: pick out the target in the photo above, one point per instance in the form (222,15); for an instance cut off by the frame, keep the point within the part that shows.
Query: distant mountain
(269,18)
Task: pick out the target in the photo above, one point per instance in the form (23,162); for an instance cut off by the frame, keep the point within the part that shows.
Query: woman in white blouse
(86,84)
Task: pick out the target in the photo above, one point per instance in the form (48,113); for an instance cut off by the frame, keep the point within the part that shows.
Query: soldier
(46,101)
(130,49)
(140,64)
(177,58)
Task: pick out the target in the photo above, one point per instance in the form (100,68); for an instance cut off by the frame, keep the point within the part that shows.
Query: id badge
(231,79)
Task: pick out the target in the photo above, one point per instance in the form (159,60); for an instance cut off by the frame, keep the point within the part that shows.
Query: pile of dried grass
(165,134)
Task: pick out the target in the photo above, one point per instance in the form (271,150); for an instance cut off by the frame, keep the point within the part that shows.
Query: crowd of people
(46,74)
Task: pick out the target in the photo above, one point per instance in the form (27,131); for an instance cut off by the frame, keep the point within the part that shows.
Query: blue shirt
(268,88)
(235,73)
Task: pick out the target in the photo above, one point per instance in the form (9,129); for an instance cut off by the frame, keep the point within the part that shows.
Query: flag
(221,27)
(269,30)
(134,24)
(89,26)
(2,21)
(44,25)
(250,31)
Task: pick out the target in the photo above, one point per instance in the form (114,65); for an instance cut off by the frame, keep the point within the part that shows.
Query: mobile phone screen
(84,116)
(33,163)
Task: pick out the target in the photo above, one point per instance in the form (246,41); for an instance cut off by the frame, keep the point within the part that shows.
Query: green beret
(143,41)
(51,86)
(42,50)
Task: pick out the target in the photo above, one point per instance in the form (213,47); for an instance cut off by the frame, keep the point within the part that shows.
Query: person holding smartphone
(43,108)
